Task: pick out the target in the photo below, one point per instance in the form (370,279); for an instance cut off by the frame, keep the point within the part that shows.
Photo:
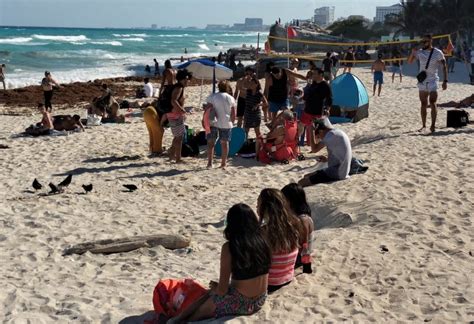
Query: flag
(291,32)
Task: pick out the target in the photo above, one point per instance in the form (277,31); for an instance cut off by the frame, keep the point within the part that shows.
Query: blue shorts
(275,107)
(223,133)
(397,69)
(378,77)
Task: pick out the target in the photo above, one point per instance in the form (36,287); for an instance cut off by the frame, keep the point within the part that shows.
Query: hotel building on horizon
(324,16)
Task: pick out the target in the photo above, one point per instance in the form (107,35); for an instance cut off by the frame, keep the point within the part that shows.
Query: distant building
(250,24)
(154,26)
(217,27)
(254,23)
(382,12)
(324,16)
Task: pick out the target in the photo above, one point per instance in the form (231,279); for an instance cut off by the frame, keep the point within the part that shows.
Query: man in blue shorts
(276,91)
(377,68)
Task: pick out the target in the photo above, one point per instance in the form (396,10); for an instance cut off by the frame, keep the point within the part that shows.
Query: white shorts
(428,86)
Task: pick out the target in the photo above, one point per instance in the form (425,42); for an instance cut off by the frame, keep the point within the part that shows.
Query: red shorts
(307,119)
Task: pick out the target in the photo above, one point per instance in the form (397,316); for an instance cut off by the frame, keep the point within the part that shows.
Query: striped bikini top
(282,269)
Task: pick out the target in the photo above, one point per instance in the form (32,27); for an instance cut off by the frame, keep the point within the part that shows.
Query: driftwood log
(127,244)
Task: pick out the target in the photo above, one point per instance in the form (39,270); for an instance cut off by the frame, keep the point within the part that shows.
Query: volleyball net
(363,52)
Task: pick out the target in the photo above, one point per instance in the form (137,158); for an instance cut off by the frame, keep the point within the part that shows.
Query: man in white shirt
(148,88)
(223,106)
(428,89)
(339,154)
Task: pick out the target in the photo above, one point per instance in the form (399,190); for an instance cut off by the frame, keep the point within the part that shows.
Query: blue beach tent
(350,99)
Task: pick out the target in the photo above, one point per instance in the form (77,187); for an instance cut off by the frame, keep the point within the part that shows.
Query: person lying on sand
(466,102)
(67,123)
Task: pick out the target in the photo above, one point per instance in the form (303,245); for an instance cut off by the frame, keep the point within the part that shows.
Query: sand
(416,201)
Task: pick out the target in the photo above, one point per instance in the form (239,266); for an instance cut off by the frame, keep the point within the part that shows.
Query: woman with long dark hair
(296,197)
(282,230)
(245,262)
(169,76)
(253,100)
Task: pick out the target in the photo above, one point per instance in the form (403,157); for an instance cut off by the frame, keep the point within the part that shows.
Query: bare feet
(422,128)
(432,128)
(209,165)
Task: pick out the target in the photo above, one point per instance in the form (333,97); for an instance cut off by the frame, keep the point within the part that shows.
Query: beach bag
(457,118)
(172,296)
(248,150)
(423,75)
(93,120)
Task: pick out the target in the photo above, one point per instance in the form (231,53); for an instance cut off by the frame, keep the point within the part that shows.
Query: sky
(143,13)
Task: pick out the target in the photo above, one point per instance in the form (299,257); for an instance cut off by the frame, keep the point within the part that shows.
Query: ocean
(74,54)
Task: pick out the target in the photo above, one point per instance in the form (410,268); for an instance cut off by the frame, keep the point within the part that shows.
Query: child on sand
(283,231)
(245,262)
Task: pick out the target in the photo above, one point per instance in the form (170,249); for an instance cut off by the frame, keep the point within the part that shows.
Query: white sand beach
(416,200)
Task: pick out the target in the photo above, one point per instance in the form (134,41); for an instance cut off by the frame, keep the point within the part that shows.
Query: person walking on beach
(47,84)
(177,115)
(378,67)
(327,67)
(430,59)
(157,67)
(241,92)
(339,154)
(397,66)
(2,76)
(223,105)
(348,57)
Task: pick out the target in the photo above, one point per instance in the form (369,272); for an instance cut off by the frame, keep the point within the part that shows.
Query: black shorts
(320,177)
(240,107)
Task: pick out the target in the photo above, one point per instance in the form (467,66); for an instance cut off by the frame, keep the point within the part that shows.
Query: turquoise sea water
(87,54)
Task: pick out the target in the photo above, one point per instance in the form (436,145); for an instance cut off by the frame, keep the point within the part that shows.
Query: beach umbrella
(206,69)
(350,94)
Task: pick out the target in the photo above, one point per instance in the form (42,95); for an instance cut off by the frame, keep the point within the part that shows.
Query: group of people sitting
(50,124)
(260,256)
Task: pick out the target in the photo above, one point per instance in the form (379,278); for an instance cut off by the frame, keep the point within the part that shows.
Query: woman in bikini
(283,231)
(245,262)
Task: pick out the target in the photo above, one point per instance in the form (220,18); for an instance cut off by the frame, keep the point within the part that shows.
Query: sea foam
(79,38)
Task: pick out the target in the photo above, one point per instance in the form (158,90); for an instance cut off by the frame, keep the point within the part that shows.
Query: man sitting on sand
(67,123)
(339,154)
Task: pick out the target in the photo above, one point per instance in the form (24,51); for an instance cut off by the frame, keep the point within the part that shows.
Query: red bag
(172,296)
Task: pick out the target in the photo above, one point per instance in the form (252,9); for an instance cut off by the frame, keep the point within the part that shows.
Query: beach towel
(173,296)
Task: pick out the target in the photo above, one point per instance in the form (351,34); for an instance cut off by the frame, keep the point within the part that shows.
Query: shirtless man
(466,102)
(67,123)
(2,75)
(378,67)
(240,93)
(169,76)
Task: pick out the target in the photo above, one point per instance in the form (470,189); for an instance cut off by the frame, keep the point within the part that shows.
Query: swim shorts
(378,77)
